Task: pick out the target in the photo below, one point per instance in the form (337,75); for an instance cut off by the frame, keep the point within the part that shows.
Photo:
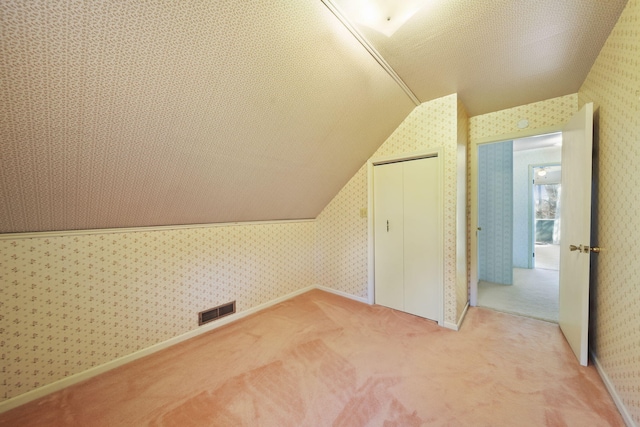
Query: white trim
(626,416)
(403,157)
(431,152)
(531,231)
(457,326)
(370,235)
(97,370)
(343,294)
(518,135)
(369,47)
(473,195)
(43,234)
(450,325)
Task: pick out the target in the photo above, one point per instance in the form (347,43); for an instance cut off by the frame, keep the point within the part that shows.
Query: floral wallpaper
(341,247)
(500,126)
(540,115)
(69,303)
(613,85)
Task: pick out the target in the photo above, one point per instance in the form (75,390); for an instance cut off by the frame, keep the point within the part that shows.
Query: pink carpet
(322,360)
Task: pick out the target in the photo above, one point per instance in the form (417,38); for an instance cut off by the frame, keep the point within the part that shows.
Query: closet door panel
(422,244)
(389,236)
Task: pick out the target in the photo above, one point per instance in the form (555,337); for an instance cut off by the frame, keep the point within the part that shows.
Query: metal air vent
(207,316)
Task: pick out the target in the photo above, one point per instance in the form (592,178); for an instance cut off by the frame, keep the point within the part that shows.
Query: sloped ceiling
(122,113)
(134,113)
(495,54)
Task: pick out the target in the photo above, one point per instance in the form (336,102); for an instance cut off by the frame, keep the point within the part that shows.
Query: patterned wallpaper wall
(72,302)
(551,112)
(495,212)
(341,261)
(503,125)
(614,86)
(341,239)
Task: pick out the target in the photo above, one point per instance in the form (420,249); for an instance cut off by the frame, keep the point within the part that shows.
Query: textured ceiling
(495,54)
(122,113)
(128,113)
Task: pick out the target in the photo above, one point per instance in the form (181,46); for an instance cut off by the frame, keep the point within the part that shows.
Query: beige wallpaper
(341,239)
(341,261)
(72,302)
(551,112)
(613,85)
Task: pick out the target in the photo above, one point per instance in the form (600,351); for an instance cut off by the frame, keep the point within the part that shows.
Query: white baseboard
(97,370)
(612,391)
(456,326)
(343,294)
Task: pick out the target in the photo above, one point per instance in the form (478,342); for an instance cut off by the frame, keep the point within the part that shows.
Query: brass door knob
(585,249)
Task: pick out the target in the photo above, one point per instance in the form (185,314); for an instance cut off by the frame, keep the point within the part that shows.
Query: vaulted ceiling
(122,113)
(495,54)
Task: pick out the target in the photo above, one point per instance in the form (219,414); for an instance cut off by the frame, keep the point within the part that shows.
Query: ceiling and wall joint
(372,51)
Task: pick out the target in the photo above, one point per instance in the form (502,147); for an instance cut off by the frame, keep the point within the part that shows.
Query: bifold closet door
(422,249)
(389,235)
(408,252)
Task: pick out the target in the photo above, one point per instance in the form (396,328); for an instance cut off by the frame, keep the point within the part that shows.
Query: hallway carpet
(534,293)
(323,360)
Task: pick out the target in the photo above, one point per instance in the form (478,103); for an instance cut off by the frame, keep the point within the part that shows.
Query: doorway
(545,192)
(518,226)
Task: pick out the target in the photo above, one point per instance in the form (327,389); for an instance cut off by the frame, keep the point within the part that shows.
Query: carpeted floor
(322,360)
(534,293)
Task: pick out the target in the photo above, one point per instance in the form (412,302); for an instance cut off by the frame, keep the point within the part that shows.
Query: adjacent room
(282,213)
(519,189)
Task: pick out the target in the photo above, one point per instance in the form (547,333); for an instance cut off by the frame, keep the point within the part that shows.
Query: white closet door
(408,245)
(422,248)
(389,235)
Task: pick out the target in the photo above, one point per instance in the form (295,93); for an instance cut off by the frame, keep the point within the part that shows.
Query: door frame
(371,163)
(473,197)
(532,216)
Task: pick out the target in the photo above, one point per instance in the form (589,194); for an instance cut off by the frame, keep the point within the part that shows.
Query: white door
(408,249)
(389,236)
(422,252)
(577,140)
